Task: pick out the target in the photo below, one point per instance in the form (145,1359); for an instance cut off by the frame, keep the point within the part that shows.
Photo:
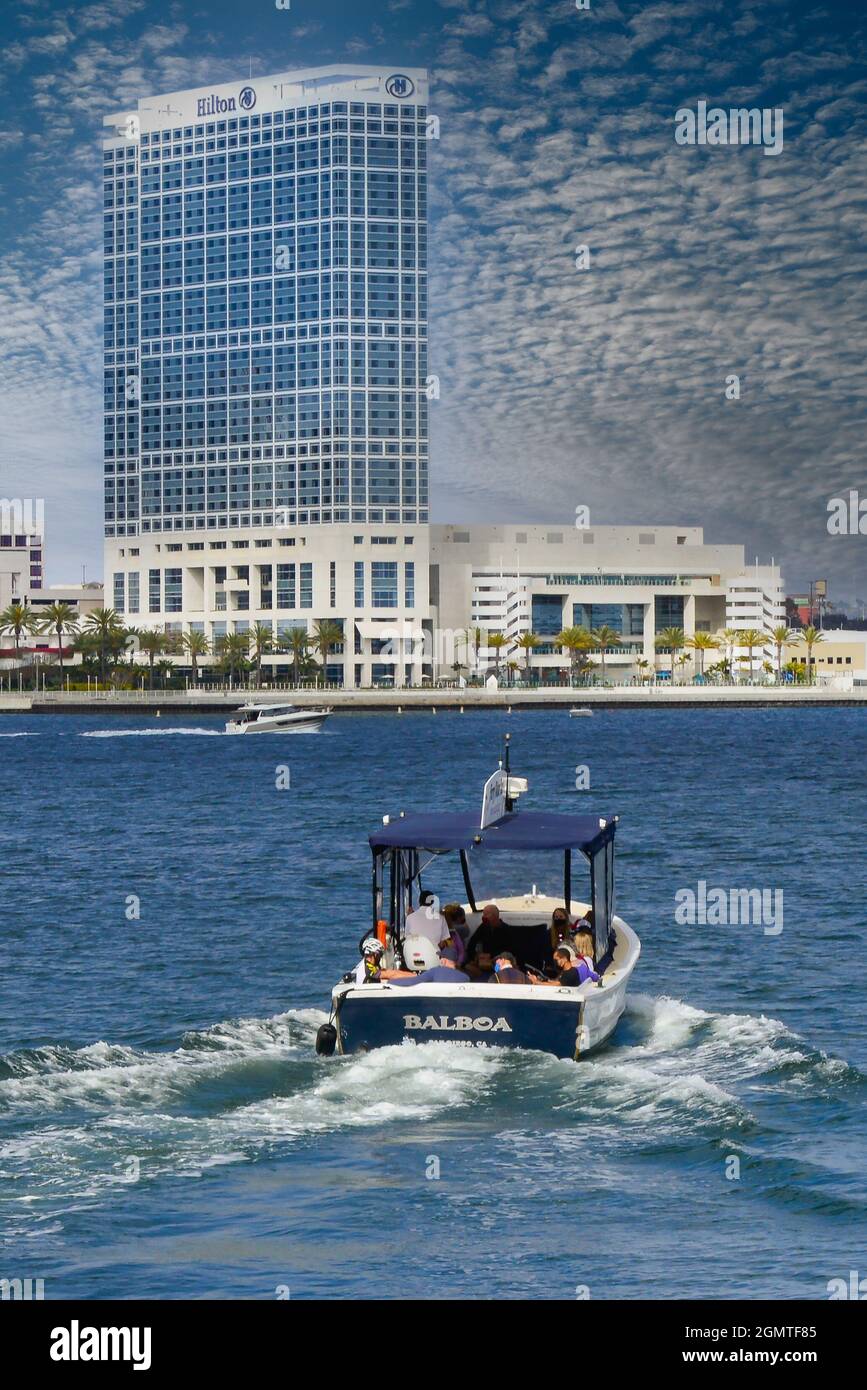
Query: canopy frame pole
(567,880)
(393,920)
(465,870)
(376,885)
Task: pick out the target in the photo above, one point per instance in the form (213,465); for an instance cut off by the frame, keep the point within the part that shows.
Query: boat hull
(564,1022)
(310,725)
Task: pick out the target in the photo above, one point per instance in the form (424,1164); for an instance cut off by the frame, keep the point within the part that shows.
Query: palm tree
(702,642)
(327,634)
(233,650)
(602,639)
(195,645)
(729,637)
(643,668)
(750,638)
(18,618)
(780,636)
(527,641)
(513,668)
(103,624)
(472,642)
(298,641)
(59,618)
(811,636)
(575,640)
(671,638)
(262,638)
(497,641)
(86,645)
(152,643)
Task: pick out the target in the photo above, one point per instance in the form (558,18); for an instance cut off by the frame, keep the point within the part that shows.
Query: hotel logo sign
(399,85)
(218,106)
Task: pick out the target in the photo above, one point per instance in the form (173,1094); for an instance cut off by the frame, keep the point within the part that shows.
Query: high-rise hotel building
(266,370)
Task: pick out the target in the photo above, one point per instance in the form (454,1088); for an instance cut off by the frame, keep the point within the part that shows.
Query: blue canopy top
(525,830)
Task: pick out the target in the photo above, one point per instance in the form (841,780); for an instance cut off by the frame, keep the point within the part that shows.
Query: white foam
(103,1076)
(151,733)
(19,735)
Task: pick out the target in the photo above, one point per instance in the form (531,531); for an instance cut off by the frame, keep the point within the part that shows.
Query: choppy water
(166,1129)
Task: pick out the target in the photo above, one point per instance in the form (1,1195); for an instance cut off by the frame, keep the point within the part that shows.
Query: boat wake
(76,1124)
(151,733)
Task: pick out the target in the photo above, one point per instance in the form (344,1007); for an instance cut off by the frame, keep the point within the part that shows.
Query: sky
(602,387)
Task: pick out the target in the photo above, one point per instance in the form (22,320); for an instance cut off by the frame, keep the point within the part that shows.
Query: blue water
(166,1129)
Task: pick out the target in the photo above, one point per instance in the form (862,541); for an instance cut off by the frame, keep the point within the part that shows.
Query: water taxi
(568,1021)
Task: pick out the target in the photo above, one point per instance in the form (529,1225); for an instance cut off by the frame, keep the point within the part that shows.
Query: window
(332,583)
(306,585)
(173,590)
(119,593)
(668,612)
(359,583)
(132,593)
(383,574)
(153,591)
(409,585)
(646,538)
(285,586)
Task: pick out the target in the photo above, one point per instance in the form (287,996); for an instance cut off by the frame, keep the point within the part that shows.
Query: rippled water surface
(166,1129)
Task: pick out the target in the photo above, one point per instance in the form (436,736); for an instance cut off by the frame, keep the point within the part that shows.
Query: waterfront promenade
(430,700)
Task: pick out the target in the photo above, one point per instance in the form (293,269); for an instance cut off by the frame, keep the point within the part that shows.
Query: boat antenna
(509,804)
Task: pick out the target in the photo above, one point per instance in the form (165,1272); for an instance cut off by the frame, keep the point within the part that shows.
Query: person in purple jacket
(570,970)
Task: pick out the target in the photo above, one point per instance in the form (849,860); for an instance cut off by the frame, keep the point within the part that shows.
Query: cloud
(604,386)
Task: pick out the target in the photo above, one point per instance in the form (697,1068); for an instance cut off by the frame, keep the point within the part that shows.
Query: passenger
(457,921)
(480,967)
(492,932)
(584,948)
(560,928)
(453,942)
(446,972)
(506,971)
(427,920)
(570,971)
(457,930)
(367,971)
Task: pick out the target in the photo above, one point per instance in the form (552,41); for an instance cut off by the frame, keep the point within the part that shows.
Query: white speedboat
(277,719)
(577,713)
(568,1021)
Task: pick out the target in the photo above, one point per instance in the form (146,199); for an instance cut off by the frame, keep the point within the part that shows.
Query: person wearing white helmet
(368,969)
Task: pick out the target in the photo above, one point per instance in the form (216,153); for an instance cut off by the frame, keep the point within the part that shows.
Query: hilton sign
(218,106)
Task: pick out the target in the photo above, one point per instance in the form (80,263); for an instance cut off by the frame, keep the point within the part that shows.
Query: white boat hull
(568,1022)
(308,722)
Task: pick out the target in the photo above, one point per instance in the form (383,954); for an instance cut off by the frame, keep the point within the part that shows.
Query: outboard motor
(326,1039)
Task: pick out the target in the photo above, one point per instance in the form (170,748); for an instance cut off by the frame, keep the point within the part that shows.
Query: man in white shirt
(427,920)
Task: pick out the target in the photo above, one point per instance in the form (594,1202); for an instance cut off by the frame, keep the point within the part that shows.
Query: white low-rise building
(637,581)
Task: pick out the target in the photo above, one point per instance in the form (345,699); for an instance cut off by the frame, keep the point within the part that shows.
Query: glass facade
(547,617)
(266,319)
(625,618)
(668,612)
(383,583)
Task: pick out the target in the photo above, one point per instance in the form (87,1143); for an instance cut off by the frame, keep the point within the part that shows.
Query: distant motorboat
(277,719)
(575,713)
